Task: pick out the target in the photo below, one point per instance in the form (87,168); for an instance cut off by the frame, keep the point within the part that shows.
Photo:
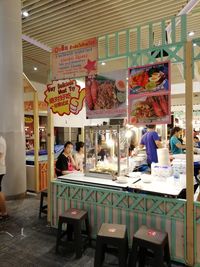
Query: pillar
(11,96)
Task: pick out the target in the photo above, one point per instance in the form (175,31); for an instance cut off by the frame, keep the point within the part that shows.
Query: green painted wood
(173,238)
(163,224)
(136,221)
(153,222)
(173,30)
(163,27)
(183,28)
(128,226)
(119,216)
(151,41)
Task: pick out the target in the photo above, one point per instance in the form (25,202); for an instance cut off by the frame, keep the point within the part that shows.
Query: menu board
(149,89)
(106,95)
(75,60)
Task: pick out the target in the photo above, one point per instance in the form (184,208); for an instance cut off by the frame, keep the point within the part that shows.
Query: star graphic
(90,65)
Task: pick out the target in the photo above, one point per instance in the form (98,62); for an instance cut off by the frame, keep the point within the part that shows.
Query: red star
(90,65)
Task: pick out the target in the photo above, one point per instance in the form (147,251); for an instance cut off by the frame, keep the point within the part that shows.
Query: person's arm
(72,160)
(158,144)
(157,140)
(179,145)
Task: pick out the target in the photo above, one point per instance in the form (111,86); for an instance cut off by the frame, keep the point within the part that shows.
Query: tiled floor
(33,242)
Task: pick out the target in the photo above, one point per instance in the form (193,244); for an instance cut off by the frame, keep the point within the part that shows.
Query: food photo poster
(149,94)
(106,95)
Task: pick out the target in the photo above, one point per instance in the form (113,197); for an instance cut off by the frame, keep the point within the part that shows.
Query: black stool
(150,241)
(43,208)
(113,235)
(73,218)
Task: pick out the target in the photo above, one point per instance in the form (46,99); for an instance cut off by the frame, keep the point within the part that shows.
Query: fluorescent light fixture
(35,68)
(103,63)
(190,33)
(25,13)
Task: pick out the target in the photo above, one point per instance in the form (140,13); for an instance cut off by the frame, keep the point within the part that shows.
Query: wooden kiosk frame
(180,218)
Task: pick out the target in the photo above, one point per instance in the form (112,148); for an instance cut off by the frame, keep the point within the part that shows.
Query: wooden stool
(149,240)
(43,208)
(73,218)
(113,235)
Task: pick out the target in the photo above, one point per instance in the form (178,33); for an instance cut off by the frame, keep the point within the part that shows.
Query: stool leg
(78,239)
(41,205)
(158,258)
(133,256)
(167,254)
(99,253)
(70,230)
(59,234)
(123,253)
(87,226)
(142,256)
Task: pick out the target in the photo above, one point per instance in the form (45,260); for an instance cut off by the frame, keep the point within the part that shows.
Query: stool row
(146,244)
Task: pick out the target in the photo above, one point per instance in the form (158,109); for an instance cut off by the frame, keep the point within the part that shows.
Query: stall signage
(28,106)
(28,120)
(65,97)
(149,98)
(106,95)
(75,60)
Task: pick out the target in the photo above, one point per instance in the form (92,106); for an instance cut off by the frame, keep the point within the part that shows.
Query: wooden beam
(50,149)
(189,153)
(36,139)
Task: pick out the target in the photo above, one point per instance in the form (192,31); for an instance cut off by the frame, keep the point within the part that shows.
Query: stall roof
(51,23)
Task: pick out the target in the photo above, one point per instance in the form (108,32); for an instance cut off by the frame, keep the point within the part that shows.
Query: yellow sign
(28,120)
(65,97)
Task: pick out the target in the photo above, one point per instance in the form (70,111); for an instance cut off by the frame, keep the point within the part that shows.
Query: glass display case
(106,151)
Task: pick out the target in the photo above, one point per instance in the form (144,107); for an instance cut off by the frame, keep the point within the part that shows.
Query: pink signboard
(149,94)
(74,60)
(106,96)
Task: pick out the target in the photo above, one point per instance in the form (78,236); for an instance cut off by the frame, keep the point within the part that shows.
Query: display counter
(113,202)
(30,169)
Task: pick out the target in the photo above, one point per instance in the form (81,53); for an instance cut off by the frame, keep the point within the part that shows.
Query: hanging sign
(149,94)
(106,95)
(65,97)
(74,60)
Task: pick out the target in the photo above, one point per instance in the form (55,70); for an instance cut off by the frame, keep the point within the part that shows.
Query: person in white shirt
(79,156)
(3,211)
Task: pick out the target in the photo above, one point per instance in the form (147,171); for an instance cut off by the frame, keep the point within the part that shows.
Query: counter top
(162,186)
(81,178)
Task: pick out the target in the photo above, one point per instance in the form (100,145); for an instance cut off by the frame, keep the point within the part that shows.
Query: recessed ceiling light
(190,33)
(35,68)
(103,63)
(25,13)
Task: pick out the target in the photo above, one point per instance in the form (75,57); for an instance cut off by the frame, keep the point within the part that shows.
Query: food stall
(137,199)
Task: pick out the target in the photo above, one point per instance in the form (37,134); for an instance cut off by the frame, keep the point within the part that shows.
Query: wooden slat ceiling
(53,22)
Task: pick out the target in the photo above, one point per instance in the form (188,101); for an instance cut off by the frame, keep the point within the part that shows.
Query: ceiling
(54,22)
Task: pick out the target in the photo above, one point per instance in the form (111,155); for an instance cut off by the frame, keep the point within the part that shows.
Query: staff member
(151,141)
(65,162)
(175,144)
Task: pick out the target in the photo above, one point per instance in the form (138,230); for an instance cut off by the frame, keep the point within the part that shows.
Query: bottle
(176,178)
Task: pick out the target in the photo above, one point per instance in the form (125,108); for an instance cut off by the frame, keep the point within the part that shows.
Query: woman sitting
(65,162)
(79,156)
(175,144)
